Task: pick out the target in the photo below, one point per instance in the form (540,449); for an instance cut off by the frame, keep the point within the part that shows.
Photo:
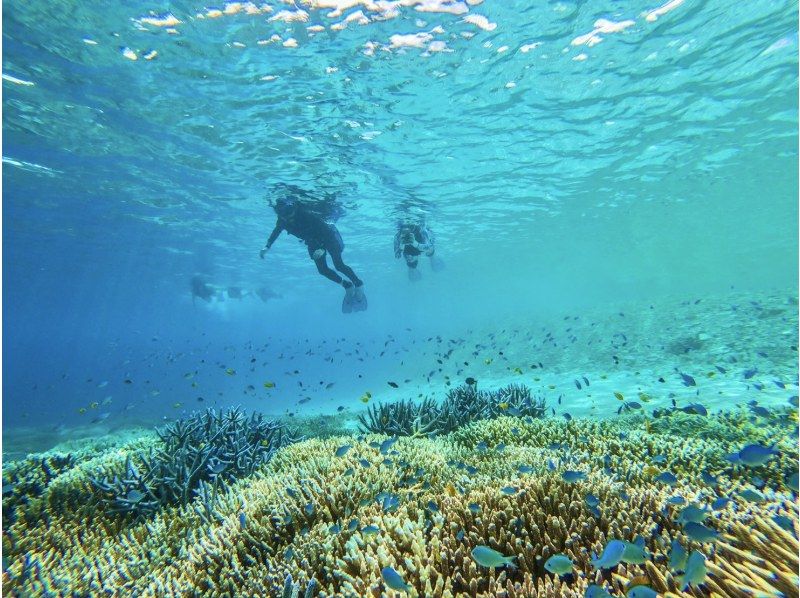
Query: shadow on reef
(460,407)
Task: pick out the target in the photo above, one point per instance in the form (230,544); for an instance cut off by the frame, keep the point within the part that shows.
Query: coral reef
(309,520)
(197,455)
(404,418)
(322,425)
(461,406)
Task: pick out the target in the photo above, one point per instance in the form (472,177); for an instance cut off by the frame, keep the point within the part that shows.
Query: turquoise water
(558,172)
(612,187)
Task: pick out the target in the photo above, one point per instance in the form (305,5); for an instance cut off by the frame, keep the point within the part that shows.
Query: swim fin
(359,299)
(348,301)
(437,264)
(414,274)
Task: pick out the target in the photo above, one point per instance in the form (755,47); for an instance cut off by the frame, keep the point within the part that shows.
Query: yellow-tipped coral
(420,506)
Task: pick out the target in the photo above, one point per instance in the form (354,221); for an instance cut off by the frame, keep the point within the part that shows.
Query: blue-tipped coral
(403,418)
(462,405)
(197,455)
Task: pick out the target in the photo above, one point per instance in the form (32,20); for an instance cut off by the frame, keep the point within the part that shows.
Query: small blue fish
(309,509)
(749,373)
(708,478)
(393,580)
(784,522)
(242,520)
(370,530)
(578,384)
(474,507)
(695,409)
(635,553)
(611,557)
(699,532)
(386,445)
(353,525)
(585,380)
(754,455)
(595,511)
(432,507)
(335,528)
(572,477)
(677,557)
(659,459)
(560,564)
(687,379)
(390,503)
(508,490)
(751,495)
(759,411)
(594,591)
(342,450)
(471,470)
(487,557)
(525,469)
(695,571)
(720,503)
(666,477)
(676,500)
(733,458)
(500,447)
(481,447)
(291,492)
(364,463)
(591,500)
(692,513)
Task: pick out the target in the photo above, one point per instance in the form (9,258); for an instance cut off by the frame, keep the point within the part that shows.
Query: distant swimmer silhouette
(413,240)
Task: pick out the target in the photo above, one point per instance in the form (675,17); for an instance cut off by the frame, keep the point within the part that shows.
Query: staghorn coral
(403,418)
(196,456)
(278,522)
(461,406)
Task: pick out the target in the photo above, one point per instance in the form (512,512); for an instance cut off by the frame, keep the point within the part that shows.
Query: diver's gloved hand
(318,254)
(397,254)
(263,252)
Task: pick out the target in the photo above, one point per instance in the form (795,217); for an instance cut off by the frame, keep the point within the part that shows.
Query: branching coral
(403,418)
(196,455)
(461,406)
(313,515)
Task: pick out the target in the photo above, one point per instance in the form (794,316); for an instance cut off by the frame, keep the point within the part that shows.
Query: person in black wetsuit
(413,240)
(321,238)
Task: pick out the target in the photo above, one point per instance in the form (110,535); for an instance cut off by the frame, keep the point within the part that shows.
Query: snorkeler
(413,240)
(321,238)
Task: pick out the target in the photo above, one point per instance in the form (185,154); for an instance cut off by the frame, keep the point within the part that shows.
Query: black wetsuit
(317,234)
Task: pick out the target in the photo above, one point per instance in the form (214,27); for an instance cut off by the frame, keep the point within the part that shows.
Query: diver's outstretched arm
(273,236)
